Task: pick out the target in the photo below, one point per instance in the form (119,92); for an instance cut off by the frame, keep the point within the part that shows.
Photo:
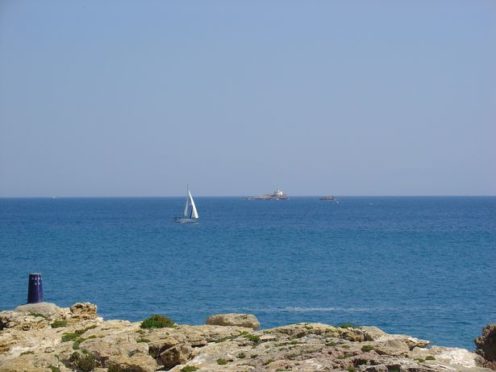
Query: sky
(140,98)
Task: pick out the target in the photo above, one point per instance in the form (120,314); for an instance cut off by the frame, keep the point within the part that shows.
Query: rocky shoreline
(45,337)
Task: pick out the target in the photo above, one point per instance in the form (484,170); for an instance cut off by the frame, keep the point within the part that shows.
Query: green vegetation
(420,360)
(54,369)
(241,355)
(27,352)
(69,336)
(351,369)
(249,336)
(331,343)
(430,357)
(39,315)
(59,324)
(366,348)
(189,369)
(347,325)
(83,362)
(221,362)
(77,341)
(142,339)
(157,321)
(81,331)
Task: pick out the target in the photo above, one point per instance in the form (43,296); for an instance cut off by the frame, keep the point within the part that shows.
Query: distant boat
(190,214)
(276,195)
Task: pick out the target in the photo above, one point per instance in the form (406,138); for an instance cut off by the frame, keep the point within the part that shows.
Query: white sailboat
(190,214)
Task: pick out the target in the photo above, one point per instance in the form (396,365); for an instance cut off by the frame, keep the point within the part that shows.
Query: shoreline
(45,337)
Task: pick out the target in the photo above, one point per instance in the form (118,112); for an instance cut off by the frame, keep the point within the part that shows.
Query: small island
(45,337)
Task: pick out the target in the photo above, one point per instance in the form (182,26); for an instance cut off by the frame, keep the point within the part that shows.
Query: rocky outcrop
(49,338)
(83,311)
(237,320)
(486,346)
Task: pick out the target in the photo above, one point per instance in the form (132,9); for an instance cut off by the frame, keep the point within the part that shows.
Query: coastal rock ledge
(45,337)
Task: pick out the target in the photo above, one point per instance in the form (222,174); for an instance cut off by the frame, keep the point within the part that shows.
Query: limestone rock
(178,354)
(233,319)
(113,345)
(31,362)
(134,363)
(28,342)
(83,310)
(45,309)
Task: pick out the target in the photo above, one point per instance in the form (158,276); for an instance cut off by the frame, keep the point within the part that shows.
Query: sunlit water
(421,266)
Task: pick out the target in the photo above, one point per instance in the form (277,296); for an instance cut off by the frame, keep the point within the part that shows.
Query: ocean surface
(425,266)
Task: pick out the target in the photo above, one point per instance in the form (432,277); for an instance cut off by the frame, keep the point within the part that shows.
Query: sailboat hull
(186,220)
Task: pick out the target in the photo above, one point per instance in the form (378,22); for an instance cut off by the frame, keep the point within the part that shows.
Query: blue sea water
(424,266)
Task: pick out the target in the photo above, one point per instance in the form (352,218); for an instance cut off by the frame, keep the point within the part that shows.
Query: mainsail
(194,212)
(186,207)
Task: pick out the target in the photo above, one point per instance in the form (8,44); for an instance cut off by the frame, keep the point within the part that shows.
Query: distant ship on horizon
(276,195)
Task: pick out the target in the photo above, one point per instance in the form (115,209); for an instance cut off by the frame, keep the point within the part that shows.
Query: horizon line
(243,196)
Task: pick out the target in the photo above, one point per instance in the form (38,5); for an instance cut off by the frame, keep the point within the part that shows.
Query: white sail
(186,208)
(194,212)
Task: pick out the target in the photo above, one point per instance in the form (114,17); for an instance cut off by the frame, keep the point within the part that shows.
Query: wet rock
(237,320)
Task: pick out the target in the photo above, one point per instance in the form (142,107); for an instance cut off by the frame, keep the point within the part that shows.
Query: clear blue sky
(138,98)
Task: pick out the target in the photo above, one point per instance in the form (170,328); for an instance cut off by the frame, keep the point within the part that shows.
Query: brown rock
(113,345)
(237,320)
(134,363)
(178,354)
(486,346)
(83,310)
(157,345)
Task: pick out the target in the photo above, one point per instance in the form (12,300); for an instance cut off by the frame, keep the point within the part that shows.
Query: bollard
(35,288)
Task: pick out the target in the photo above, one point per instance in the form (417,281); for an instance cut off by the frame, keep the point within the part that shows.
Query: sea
(423,266)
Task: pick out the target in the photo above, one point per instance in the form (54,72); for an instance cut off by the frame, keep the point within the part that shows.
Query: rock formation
(486,346)
(44,337)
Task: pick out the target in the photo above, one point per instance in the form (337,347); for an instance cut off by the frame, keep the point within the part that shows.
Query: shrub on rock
(157,321)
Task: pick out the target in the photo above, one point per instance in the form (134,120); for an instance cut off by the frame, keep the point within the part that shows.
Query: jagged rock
(31,362)
(237,320)
(178,354)
(134,363)
(22,321)
(112,345)
(392,347)
(83,310)
(28,342)
(486,346)
(158,344)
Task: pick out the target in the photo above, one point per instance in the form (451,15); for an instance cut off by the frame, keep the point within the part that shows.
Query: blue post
(35,288)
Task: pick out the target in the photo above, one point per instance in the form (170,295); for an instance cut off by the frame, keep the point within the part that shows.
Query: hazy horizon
(128,99)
